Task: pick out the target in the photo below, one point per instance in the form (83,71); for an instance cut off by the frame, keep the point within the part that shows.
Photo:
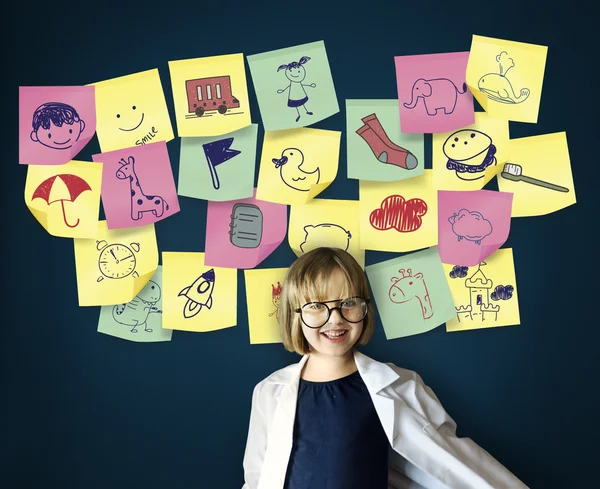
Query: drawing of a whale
(497,87)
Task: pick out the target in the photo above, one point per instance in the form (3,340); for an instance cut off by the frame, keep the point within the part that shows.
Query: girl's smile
(335,335)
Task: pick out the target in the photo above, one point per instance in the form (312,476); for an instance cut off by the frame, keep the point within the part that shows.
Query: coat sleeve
(469,465)
(256,443)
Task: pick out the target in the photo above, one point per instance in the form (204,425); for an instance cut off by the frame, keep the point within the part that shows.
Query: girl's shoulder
(281,377)
(267,391)
(404,374)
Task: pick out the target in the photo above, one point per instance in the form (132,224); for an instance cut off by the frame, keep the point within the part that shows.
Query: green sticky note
(294,86)
(377,149)
(411,293)
(141,318)
(218,168)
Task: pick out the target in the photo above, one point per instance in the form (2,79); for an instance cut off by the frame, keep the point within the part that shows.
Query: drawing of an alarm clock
(117,260)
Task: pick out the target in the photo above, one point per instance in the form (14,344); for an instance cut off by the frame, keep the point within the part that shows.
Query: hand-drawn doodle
(140,202)
(471,226)
(199,294)
(383,148)
(437,93)
(129,129)
(478,287)
(56,125)
(409,287)
(218,152)
(405,216)
(136,312)
(326,234)
(210,94)
(502,293)
(132,126)
(497,87)
(246,226)
(459,271)
(74,184)
(296,73)
(469,153)
(514,172)
(291,173)
(276,298)
(117,260)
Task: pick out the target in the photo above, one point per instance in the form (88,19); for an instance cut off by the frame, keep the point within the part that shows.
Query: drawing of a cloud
(398,213)
(502,292)
(471,226)
(458,271)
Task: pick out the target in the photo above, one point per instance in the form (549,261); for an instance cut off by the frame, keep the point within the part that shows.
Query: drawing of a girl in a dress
(296,74)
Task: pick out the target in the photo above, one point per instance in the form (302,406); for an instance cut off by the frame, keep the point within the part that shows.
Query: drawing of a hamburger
(469,153)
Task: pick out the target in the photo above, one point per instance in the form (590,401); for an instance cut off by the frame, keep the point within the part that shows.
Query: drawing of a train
(207,94)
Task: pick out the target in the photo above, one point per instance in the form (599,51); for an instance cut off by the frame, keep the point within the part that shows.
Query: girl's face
(326,340)
(297,74)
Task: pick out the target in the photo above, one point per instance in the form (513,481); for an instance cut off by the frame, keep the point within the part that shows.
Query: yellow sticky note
(115,267)
(506,77)
(65,199)
(398,216)
(297,164)
(539,175)
(210,95)
(263,295)
(326,222)
(197,297)
(469,158)
(131,111)
(485,296)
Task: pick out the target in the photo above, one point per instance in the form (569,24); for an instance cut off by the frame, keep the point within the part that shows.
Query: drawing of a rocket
(198,294)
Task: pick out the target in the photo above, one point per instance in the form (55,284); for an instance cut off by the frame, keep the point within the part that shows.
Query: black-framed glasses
(316,314)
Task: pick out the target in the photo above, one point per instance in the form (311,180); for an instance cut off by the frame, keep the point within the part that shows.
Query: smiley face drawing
(131,111)
(124,117)
(56,125)
(289,164)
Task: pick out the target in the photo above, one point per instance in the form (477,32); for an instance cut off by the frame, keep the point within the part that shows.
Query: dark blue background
(84,410)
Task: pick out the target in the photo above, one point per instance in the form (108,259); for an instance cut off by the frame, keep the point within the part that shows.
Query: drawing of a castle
(479,287)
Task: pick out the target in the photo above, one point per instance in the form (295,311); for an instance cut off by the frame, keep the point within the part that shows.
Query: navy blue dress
(339,442)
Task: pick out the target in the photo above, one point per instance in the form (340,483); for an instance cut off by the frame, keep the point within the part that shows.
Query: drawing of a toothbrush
(514,172)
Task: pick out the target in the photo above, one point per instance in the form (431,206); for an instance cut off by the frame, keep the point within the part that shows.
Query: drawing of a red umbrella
(72,188)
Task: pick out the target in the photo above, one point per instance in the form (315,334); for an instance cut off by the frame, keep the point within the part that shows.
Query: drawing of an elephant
(437,93)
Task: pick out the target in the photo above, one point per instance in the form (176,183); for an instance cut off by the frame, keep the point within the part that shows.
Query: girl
(296,73)
(339,419)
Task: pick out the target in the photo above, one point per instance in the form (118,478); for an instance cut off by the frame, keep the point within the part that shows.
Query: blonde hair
(307,280)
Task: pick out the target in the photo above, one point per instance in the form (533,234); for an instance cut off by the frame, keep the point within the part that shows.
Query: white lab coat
(424,449)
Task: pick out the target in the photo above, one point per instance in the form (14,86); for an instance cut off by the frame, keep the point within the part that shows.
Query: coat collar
(376,375)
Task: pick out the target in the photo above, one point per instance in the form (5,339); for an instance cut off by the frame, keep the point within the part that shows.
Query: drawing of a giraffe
(140,202)
(409,287)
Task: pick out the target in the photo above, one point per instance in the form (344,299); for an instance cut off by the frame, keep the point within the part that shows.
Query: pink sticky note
(242,233)
(472,224)
(432,92)
(138,187)
(55,123)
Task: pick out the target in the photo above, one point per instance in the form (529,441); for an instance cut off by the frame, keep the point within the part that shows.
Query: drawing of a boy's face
(56,125)
(295,73)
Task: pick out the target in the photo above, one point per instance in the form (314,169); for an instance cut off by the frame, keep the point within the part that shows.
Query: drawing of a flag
(218,152)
